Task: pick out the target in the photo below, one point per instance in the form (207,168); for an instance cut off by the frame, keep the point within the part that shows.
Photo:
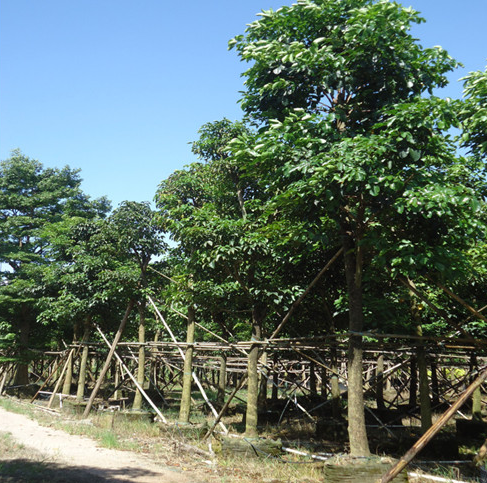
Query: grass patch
(165,445)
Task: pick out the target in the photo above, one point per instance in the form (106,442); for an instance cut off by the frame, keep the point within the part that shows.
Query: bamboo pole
(104,370)
(296,303)
(58,383)
(473,311)
(432,306)
(134,380)
(58,363)
(428,435)
(195,377)
(225,407)
(4,380)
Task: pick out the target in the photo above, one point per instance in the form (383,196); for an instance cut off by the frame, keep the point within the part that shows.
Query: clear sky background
(119,88)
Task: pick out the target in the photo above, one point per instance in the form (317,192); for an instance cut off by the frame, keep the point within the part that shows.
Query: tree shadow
(27,471)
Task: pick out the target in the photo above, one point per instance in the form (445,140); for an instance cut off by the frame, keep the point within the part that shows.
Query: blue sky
(119,88)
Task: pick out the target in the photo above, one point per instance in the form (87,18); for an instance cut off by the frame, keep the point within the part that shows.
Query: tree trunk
(312,379)
(359,445)
(141,367)
(379,382)
(22,370)
(263,375)
(435,391)
(84,361)
(69,375)
(104,370)
(222,380)
(185,407)
(253,375)
(413,383)
(336,408)
(477,394)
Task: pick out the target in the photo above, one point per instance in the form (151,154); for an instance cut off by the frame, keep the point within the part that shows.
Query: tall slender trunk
(141,367)
(263,375)
(359,445)
(22,369)
(251,418)
(379,382)
(68,379)
(413,383)
(336,406)
(424,387)
(222,380)
(312,379)
(477,394)
(185,407)
(108,359)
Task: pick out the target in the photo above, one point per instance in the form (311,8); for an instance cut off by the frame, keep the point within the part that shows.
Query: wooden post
(80,393)
(275,376)
(222,380)
(195,378)
(137,405)
(426,438)
(185,405)
(58,383)
(118,335)
(379,382)
(134,380)
(69,374)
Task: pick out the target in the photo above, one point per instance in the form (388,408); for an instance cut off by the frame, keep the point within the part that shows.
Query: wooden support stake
(474,312)
(225,407)
(296,303)
(432,306)
(134,380)
(108,360)
(193,374)
(4,379)
(426,438)
(58,383)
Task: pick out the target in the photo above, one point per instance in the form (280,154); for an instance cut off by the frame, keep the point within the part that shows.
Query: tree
(234,272)
(339,89)
(139,238)
(32,197)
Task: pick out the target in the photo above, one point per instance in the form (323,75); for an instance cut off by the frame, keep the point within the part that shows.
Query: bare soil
(33,453)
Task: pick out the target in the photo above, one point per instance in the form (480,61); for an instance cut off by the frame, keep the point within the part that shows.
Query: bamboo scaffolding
(433,430)
(134,380)
(194,376)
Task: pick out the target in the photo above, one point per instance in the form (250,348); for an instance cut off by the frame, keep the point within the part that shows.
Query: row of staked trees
(343,149)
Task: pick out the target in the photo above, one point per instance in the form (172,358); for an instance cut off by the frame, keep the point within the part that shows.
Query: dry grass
(172,445)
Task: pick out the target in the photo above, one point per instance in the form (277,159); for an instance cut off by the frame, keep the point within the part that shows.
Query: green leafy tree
(138,237)
(339,89)
(32,197)
(214,210)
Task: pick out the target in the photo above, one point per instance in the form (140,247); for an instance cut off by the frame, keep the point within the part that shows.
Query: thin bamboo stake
(58,383)
(193,374)
(108,360)
(410,286)
(4,379)
(474,312)
(433,430)
(225,407)
(296,303)
(134,380)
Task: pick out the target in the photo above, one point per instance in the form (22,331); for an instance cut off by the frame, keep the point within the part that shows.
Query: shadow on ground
(26,471)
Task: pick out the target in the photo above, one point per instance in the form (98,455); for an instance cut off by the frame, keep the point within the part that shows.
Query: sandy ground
(64,457)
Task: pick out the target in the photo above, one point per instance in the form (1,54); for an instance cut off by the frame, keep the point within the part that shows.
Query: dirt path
(63,457)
